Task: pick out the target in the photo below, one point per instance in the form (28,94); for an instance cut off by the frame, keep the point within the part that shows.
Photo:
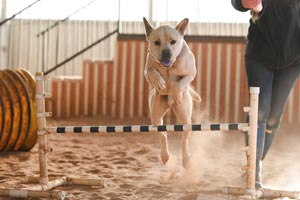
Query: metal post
(3,10)
(44,46)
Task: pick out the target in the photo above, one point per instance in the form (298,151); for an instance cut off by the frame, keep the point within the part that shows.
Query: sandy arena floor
(131,164)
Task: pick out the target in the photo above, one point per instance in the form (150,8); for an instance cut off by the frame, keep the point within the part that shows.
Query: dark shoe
(258,185)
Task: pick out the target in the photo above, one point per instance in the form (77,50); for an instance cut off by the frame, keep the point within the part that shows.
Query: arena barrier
(43,186)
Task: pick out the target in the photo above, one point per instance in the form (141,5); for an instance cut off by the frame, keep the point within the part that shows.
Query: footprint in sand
(24,156)
(104,165)
(142,151)
(154,159)
(94,171)
(124,161)
(70,156)
(127,186)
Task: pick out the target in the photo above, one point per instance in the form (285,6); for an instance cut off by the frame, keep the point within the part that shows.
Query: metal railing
(81,51)
(76,54)
(19,12)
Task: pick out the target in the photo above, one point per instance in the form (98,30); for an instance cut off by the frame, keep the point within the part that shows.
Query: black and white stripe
(147,128)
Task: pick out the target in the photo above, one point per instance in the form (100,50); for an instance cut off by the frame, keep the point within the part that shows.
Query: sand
(131,163)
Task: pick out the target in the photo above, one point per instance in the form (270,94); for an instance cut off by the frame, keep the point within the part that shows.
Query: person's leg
(283,82)
(259,75)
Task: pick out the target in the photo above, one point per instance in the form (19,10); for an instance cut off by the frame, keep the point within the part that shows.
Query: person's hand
(251,4)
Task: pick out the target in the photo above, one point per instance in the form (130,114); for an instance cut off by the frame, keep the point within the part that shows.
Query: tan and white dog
(170,69)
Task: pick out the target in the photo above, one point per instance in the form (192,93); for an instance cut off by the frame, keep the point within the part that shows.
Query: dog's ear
(148,27)
(182,26)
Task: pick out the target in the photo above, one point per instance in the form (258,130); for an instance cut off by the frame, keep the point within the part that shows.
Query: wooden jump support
(43,186)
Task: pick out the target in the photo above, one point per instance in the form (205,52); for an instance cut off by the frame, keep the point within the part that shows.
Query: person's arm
(237,4)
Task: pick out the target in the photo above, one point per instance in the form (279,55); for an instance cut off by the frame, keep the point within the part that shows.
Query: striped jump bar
(148,128)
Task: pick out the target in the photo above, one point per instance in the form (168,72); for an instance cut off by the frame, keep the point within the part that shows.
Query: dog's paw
(171,166)
(178,98)
(164,157)
(177,94)
(186,162)
(155,79)
(172,101)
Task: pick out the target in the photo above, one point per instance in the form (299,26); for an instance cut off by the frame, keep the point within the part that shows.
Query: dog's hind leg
(158,108)
(183,113)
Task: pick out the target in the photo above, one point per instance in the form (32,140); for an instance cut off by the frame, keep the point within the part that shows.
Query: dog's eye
(173,42)
(157,43)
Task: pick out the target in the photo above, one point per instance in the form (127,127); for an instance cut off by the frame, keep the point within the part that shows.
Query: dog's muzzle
(166,58)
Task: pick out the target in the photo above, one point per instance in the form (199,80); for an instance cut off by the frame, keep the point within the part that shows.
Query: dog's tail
(195,96)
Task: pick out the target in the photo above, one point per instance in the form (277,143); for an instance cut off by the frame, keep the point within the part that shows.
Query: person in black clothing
(272,60)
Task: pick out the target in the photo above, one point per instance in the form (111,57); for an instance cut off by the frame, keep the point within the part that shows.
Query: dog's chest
(170,75)
(170,78)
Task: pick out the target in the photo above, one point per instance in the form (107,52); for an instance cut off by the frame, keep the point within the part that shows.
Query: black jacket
(274,39)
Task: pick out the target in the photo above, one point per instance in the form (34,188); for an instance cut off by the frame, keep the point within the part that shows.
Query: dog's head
(165,42)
